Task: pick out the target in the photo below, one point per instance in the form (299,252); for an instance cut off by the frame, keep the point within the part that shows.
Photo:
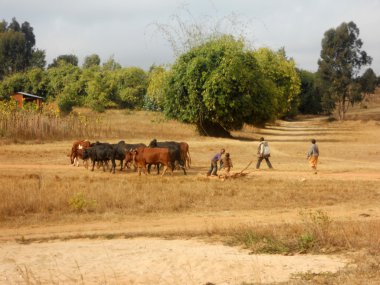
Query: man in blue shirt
(214,163)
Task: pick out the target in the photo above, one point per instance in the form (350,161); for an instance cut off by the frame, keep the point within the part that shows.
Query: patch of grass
(80,203)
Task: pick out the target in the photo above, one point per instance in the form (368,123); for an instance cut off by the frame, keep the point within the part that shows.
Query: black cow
(174,150)
(99,152)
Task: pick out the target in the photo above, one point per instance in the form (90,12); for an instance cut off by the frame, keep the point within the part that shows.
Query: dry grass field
(50,208)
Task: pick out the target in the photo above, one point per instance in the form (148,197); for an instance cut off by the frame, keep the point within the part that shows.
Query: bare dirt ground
(58,256)
(150,261)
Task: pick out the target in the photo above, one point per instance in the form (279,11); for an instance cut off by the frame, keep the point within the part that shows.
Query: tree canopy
(17,52)
(341,60)
(67,58)
(220,85)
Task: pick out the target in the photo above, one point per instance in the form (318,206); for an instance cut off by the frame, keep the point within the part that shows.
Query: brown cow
(185,154)
(146,155)
(129,159)
(77,151)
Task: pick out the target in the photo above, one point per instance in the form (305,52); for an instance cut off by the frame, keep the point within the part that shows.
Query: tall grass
(31,123)
(47,123)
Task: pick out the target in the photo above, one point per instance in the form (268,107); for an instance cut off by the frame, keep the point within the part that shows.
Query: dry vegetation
(288,210)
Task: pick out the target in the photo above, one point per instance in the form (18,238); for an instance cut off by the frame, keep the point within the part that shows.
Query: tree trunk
(206,128)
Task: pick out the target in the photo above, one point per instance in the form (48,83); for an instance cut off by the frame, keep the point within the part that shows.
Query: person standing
(214,163)
(263,152)
(312,155)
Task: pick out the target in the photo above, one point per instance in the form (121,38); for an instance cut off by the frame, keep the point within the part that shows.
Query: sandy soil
(150,261)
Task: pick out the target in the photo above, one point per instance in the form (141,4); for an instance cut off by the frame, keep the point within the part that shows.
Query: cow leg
(183,166)
(85,163)
(165,168)
(145,169)
(139,170)
(93,165)
(113,166)
(121,165)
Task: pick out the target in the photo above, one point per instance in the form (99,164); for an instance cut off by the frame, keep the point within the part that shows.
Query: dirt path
(150,261)
(344,175)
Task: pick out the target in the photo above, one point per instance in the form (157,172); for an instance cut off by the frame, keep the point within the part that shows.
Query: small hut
(22,97)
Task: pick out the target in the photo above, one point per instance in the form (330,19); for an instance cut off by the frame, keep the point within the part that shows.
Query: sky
(132,31)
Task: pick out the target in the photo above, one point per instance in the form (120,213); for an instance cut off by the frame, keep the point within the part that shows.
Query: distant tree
(17,52)
(131,87)
(65,85)
(38,58)
(100,89)
(310,97)
(91,60)
(339,65)
(157,80)
(218,86)
(368,83)
(111,64)
(66,58)
(12,52)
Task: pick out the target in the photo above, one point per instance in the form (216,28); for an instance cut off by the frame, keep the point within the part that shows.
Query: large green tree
(218,86)
(341,60)
(17,52)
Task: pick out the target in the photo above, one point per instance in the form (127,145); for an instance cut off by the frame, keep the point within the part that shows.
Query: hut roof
(29,95)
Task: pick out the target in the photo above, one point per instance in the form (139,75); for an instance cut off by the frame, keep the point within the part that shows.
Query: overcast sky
(127,29)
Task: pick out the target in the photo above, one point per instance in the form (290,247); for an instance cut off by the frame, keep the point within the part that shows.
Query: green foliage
(111,64)
(368,81)
(65,58)
(306,242)
(11,84)
(17,51)
(80,203)
(262,243)
(310,97)
(64,83)
(221,85)
(99,89)
(317,227)
(131,87)
(91,60)
(340,62)
(282,72)
(158,79)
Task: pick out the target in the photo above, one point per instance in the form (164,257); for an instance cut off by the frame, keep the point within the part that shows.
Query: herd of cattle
(168,154)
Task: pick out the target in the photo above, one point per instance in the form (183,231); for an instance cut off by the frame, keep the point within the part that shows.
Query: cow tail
(188,155)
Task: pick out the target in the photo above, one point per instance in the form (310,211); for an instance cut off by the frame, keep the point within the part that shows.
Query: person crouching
(214,163)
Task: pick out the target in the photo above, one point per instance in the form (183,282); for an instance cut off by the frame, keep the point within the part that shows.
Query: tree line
(218,85)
